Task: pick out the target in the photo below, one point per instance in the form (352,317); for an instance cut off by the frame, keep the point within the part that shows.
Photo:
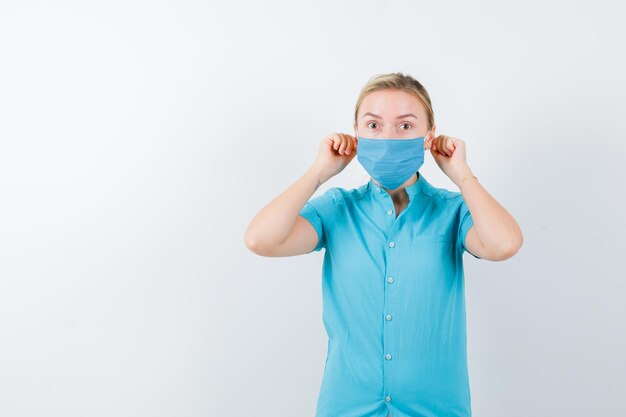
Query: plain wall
(139,138)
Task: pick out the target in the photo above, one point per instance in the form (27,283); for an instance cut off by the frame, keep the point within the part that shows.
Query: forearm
(274,222)
(495,227)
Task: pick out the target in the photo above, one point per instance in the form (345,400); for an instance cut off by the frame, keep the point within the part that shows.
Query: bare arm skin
(278,229)
(495,235)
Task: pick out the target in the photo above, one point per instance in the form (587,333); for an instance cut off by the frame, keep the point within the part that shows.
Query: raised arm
(495,235)
(278,229)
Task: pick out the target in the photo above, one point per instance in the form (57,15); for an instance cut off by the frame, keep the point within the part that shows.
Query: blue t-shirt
(393,302)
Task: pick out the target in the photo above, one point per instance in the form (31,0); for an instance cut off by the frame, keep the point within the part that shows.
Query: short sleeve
(465,223)
(318,211)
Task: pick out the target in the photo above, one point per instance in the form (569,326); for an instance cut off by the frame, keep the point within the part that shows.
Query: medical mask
(391,162)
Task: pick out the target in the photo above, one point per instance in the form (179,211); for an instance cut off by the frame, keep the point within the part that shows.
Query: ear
(432,131)
(429,137)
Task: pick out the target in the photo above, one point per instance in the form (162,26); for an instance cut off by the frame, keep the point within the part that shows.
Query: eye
(408,124)
(369,125)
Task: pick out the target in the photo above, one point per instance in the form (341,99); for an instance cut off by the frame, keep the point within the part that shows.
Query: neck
(399,194)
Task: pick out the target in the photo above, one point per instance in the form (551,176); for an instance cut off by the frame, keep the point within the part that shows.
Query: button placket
(389,294)
(387,330)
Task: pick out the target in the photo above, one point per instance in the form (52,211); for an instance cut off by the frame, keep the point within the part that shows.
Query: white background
(138,139)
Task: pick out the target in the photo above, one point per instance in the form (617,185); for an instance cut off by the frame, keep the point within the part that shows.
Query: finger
(439,146)
(442,150)
(349,145)
(346,143)
(450,146)
(445,146)
(342,146)
(439,141)
(336,141)
(353,145)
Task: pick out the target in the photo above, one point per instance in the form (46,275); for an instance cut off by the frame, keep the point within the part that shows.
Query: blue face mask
(391,162)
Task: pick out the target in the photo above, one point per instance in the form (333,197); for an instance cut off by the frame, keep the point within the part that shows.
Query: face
(393,114)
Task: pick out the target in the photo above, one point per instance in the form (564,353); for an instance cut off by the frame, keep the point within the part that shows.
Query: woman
(393,282)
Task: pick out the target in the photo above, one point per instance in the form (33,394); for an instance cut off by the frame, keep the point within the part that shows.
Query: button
(388,317)
(388,398)
(388,356)
(389,211)
(390,279)
(391,244)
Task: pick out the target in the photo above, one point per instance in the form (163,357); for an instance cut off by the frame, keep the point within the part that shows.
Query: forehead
(388,103)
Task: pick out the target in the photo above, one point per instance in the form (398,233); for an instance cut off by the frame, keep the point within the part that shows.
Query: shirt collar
(421,185)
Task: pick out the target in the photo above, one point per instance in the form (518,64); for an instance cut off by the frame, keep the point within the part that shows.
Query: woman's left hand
(449,154)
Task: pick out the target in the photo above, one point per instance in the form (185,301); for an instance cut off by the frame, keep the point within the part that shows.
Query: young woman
(393,282)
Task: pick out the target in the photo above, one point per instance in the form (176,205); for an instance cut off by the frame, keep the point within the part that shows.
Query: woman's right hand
(335,153)
(278,229)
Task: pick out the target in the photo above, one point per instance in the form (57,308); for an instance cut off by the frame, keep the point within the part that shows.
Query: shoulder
(444,197)
(324,202)
(351,194)
(340,195)
(334,200)
(332,194)
(454,204)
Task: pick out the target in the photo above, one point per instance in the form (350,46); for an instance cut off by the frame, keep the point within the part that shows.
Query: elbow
(251,242)
(254,244)
(511,248)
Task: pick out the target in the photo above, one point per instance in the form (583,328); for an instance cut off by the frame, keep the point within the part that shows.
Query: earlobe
(430,137)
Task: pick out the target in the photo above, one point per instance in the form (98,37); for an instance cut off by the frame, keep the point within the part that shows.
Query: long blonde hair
(398,81)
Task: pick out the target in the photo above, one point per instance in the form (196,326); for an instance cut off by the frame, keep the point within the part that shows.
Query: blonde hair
(397,81)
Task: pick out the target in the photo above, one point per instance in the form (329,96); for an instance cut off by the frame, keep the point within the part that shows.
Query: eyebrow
(399,117)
